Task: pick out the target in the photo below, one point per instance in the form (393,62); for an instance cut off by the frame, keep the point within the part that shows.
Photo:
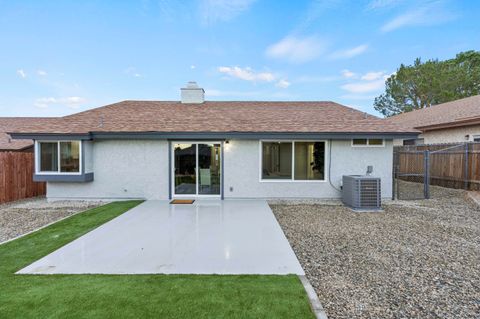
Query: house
(7,124)
(17,160)
(197,148)
(453,122)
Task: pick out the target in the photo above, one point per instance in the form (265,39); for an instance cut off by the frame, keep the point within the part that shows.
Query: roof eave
(447,125)
(213,135)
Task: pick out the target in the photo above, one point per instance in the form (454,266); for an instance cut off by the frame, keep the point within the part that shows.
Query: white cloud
(296,49)
(364,87)
(247,74)
(260,94)
(212,11)
(41,72)
(71,101)
(431,14)
(132,71)
(315,10)
(369,82)
(349,53)
(317,79)
(192,66)
(21,73)
(380,4)
(283,84)
(357,97)
(371,76)
(221,93)
(348,74)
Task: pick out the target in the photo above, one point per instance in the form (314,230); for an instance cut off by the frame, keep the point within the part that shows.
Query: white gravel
(20,217)
(416,259)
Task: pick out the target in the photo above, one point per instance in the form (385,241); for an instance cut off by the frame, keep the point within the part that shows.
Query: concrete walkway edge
(315,304)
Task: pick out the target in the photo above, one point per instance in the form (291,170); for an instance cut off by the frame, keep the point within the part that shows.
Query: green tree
(424,84)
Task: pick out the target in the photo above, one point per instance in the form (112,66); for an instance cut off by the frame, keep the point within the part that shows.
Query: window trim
(368,142)
(58,172)
(292,179)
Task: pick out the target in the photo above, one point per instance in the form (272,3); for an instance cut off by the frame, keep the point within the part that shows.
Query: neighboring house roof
(8,124)
(210,116)
(461,112)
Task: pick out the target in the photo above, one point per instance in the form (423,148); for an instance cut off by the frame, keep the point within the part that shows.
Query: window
(58,157)
(309,160)
(476,138)
(367,142)
(48,157)
(418,141)
(360,141)
(70,157)
(277,160)
(299,161)
(375,141)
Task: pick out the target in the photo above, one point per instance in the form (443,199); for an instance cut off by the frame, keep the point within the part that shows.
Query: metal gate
(416,168)
(411,174)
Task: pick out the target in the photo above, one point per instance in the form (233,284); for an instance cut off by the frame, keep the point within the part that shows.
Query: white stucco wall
(122,169)
(139,169)
(452,135)
(242,171)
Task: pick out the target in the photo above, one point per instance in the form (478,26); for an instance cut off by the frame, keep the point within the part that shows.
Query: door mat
(182,201)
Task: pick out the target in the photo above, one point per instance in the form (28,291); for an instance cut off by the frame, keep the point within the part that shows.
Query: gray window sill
(86,177)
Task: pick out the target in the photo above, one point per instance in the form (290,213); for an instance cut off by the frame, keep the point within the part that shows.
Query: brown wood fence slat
(16,177)
(450,165)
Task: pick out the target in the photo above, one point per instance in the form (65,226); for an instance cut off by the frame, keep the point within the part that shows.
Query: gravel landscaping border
(416,259)
(22,217)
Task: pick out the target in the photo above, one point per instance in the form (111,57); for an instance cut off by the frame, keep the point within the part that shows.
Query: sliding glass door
(185,157)
(196,169)
(208,169)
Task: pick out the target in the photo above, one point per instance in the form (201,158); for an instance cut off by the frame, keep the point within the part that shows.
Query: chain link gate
(416,168)
(411,174)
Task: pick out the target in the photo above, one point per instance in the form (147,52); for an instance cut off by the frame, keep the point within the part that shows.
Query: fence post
(395,182)
(466,166)
(426,174)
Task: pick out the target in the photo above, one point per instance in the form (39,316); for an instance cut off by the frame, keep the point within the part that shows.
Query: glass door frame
(172,169)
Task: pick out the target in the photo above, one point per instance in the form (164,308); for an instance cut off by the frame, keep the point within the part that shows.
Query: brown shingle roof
(9,124)
(173,116)
(446,113)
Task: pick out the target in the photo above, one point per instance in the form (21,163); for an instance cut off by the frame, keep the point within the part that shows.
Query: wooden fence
(16,177)
(447,165)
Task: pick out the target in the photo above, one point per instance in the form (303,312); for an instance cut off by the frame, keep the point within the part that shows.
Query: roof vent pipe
(192,94)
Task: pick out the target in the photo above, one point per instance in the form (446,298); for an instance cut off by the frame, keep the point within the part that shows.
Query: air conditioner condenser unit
(362,192)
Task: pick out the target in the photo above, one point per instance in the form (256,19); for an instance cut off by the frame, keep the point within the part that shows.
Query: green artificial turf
(133,296)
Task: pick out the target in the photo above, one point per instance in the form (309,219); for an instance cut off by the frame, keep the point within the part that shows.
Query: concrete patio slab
(207,237)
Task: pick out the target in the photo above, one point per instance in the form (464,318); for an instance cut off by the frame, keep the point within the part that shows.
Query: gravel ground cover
(20,217)
(417,259)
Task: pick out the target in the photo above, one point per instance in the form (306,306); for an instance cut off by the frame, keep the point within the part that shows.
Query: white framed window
(368,142)
(476,138)
(58,157)
(292,161)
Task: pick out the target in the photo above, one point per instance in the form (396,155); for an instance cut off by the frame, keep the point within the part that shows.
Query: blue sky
(62,57)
